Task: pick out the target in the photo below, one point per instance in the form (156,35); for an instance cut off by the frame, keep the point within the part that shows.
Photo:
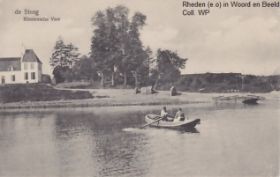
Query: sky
(245,40)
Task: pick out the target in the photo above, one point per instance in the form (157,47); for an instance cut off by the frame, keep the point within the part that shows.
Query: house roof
(30,56)
(8,64)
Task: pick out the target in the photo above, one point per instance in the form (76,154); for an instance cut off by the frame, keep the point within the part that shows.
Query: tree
(103,43)
(57,58)
(168,66)
(63,58)
(134,55)
(72,54)
(64,55)
(62,74)
(116,43)
(142,67)
(84,69)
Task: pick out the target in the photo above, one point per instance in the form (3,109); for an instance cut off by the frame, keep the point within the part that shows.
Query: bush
(224,82)
(38,92)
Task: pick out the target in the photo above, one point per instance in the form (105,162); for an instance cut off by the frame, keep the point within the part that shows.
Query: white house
(25,69)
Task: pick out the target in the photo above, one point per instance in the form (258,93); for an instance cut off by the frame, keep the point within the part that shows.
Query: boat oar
(152,122)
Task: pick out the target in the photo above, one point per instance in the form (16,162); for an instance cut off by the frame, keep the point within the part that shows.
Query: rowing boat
(251,101)
(151,119)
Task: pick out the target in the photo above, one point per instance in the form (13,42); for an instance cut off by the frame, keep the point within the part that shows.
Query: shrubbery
(38,92)
(224,82)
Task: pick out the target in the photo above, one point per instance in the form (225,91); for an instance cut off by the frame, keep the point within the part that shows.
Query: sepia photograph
(142,88)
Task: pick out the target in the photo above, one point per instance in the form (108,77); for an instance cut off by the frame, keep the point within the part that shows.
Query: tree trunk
(125,79)
(91,81)
(136,79)
(102,80)
(113,79)
(156,83)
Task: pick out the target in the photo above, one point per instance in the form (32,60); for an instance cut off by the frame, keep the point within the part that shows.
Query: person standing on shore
(173,91)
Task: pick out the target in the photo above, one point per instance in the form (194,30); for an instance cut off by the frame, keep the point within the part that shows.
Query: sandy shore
(115,97)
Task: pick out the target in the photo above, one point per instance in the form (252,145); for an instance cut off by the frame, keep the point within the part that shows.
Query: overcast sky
(226,40)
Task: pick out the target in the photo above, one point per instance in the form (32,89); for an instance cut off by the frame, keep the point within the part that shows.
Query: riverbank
(113,97)
(123,97)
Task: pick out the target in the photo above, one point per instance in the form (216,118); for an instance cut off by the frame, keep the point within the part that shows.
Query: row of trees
(116,54)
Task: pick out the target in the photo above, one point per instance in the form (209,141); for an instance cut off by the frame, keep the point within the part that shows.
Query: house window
(33,76)
(3,79)
(13,78)
(25,66)
(26,76)
(32,65)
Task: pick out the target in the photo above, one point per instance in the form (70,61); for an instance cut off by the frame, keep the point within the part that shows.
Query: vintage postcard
(139,88)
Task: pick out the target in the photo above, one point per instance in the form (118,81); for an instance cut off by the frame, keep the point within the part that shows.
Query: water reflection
(101,142)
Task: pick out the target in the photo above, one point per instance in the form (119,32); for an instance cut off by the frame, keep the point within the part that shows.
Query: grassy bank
(113,97)
(38,92)
(110,97)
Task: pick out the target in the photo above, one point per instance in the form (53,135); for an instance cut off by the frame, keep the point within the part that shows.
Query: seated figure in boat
(164,114)
(180,116)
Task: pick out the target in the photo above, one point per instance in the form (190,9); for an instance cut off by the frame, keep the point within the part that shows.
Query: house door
(3,80)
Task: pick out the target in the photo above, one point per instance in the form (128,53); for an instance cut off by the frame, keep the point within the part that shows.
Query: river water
(232,140)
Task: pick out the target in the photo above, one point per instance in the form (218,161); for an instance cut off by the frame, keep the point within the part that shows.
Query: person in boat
(164,114)
(180,116)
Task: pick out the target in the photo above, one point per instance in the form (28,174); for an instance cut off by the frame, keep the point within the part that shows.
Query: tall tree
(99,44)
(120,27)
(84,69)
(133,54)
(143,70)
(72,54)
(116,43)
(63,58)
(64,55)
(58,58)
(104,50)
(168,66)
